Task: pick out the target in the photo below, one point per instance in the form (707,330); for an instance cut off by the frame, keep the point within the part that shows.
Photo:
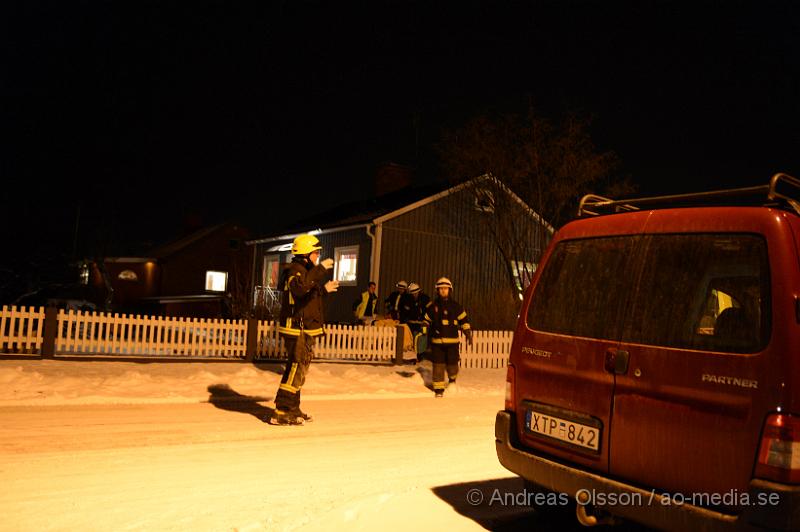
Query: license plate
(563,430)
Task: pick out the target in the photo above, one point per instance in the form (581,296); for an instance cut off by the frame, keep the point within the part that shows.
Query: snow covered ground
(51,382)
(181,446)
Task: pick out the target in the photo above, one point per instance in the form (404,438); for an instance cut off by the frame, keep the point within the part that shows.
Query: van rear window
(708,292)
(691,291)
(582,288)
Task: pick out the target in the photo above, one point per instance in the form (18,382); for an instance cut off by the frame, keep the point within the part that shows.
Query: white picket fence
(101,333)
(21,330)
(98,333)
(340,342)
(489,349)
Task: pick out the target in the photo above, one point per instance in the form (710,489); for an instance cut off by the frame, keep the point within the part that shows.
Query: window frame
(694,308)
(211,289)
(337,255)
(272,258)
(482,194)
(550,281)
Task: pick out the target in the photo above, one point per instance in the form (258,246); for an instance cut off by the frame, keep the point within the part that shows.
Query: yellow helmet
(305,244)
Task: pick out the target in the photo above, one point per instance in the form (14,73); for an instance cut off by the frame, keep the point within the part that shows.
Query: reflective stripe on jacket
(301,301)
(445,317)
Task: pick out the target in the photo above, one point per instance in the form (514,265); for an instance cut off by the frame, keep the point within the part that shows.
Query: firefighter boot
(299,413)
(451,385)
(280,417)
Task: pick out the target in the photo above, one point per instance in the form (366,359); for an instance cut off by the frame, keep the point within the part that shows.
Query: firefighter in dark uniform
(301,319)
(392,302)
(421,300)
(412,313)
(407,305)
(444,317)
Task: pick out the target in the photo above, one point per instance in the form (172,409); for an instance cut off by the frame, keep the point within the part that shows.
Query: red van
(655,368)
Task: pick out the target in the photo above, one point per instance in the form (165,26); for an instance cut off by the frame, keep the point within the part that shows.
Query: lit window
(128,275)
(523,273)
(271,271)
(216,281)
(346,267)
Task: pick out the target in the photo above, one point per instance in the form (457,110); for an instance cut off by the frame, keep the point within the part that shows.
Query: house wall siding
(450,237)
(184,272)
(338,306)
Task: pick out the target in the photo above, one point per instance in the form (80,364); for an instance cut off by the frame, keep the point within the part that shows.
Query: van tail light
(779,454)
(509,406)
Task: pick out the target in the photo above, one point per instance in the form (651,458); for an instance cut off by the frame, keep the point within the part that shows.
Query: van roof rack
(783,191)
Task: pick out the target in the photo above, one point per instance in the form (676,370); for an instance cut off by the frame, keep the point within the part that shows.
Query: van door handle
(617,361)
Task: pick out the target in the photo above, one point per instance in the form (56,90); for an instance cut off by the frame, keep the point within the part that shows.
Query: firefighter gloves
(331,286)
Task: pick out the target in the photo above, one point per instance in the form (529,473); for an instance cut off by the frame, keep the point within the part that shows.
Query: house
(204,274)
(419,235)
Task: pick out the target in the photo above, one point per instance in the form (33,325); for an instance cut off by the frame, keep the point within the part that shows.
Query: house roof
(486,177)
(354,213)
(160,251)
(383,208)
(167,249)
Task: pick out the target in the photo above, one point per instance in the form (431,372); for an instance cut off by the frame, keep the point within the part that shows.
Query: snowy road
(90,445)
(364,464)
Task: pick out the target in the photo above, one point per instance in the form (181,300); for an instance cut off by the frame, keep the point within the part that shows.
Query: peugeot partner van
(655,369)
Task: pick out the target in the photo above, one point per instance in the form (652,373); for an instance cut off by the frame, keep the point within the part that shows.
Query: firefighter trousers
(445,358)
(299,350)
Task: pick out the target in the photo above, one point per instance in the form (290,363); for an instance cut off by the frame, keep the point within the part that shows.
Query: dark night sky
(128,109)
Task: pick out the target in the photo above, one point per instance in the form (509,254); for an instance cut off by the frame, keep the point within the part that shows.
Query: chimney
(390,177)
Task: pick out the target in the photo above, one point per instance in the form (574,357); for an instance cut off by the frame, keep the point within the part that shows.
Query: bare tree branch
(548,165)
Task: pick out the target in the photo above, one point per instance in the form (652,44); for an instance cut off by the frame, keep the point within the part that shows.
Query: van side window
(708,292)
(583,288)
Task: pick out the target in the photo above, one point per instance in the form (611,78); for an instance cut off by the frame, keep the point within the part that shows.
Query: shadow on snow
(226,398)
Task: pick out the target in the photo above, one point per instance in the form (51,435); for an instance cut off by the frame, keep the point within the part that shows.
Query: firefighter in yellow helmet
(444,317)
(303,283)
